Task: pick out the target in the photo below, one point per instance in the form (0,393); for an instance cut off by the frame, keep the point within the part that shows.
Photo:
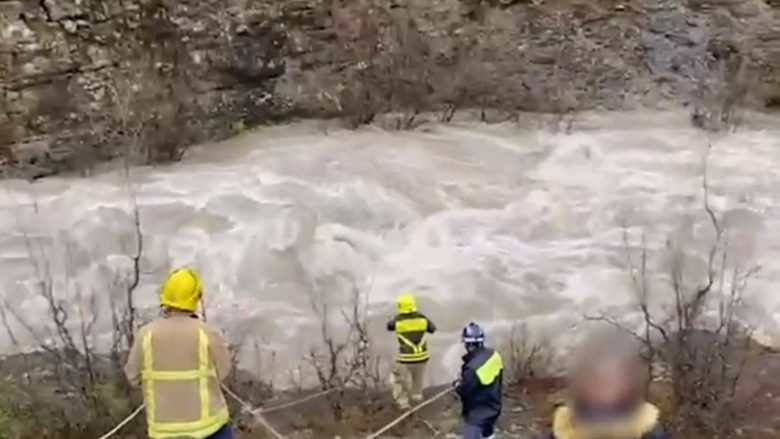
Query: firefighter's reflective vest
(412,332)
(206,423)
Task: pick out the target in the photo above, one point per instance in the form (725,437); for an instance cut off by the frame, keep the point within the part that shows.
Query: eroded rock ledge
(89,80)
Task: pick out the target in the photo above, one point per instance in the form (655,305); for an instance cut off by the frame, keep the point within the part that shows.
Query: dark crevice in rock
(772,103)
(46,11)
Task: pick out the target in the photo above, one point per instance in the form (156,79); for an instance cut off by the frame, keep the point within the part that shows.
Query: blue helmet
(473,334)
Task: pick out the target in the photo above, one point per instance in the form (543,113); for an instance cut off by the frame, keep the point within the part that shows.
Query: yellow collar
(643,420)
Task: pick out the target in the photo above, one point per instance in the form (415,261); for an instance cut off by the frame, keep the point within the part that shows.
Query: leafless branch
(619,326)
(705,360)
(347,360)
(135,276)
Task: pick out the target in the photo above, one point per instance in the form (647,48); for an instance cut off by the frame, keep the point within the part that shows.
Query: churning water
(498,224)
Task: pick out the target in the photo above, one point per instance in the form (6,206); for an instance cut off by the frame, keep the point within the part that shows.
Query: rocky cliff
(88,80)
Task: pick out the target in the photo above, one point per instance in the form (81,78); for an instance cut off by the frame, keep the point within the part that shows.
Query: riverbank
(528,408)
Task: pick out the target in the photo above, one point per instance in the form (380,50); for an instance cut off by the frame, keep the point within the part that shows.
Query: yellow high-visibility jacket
(412,330)
(180,361)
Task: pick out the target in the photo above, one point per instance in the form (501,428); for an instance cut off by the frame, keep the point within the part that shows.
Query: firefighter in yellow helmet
(411,329)
(180,362)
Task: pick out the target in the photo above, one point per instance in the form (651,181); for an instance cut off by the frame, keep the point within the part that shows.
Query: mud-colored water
(498,224)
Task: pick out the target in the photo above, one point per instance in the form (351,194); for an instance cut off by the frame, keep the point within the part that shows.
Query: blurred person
(479,386)
(607,393)
(180,361)
(411,329)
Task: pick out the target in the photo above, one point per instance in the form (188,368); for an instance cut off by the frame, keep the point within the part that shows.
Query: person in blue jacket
(479,386)
(607,393)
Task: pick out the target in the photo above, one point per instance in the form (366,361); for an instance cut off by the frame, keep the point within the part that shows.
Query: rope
(123,423)
(255,413)
(410,412)
(276,408)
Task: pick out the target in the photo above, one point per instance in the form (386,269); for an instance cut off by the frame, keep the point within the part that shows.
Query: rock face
(81,77)
(88,80)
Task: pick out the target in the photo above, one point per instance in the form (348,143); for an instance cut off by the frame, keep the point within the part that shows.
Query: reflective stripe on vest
(208,423)
(419,351)
(489,371)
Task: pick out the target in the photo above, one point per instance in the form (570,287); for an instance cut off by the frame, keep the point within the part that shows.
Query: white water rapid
(498,224)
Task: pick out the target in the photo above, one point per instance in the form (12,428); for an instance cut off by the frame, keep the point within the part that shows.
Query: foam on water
(491,223)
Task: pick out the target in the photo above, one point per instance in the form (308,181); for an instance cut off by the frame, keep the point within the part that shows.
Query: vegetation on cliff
(84,81)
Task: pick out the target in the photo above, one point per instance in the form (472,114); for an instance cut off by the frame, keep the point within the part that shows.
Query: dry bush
(722,87)
(694,341)
(359,31)
(150,100)
(64,377)
(8,136)
(524,356)
(7,139)
(256,388)
(343,361)
(394,66)
(395,69)
(143,134)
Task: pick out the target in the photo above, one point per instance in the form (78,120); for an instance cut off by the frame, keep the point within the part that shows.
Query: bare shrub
(394,68)
(722,88)
(151,101)
(695,334)
(123,310)
(360,32)
(151,135)
(65,376)
(525,357)
(461,83)
(256,387)
(169,130)
(346,360)
(7,138)
(409,69)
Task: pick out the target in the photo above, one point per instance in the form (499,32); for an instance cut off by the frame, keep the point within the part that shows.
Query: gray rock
(199,67)
(56,10)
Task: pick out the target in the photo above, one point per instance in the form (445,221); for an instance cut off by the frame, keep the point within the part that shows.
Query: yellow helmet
(406,303)
(182,290)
